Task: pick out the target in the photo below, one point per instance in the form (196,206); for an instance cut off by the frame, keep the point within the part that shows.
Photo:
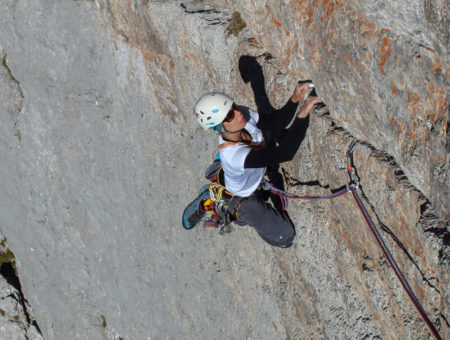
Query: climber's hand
(307,106)
(299,92)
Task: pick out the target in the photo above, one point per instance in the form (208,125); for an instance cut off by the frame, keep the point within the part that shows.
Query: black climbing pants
(273,226)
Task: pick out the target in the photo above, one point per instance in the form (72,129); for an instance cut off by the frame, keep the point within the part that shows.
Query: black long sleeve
(284,152)
(277,120)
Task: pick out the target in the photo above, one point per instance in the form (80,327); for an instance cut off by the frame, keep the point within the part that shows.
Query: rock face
(100,154)
(16,318)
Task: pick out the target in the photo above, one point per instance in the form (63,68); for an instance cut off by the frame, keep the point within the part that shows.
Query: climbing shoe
(194,212)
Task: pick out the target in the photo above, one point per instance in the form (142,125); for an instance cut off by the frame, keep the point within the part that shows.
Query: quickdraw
(217,191)
(219,204)
(350,174)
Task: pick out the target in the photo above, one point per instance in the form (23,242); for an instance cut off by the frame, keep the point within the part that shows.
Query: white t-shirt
(239,181)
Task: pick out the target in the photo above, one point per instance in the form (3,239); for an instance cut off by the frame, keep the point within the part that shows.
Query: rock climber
(245,154)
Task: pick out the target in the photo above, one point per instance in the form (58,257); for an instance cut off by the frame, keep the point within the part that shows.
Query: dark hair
(245,141)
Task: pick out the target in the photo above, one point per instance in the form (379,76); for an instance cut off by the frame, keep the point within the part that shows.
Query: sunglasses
(229,117)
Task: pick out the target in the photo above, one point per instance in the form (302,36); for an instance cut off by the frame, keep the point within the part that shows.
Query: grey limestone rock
(99,155)
(16,316)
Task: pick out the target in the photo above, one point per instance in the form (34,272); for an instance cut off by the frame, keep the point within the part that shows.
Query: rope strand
(394,265)
(284,195)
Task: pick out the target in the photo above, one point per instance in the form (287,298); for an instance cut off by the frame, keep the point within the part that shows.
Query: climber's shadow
(251,72)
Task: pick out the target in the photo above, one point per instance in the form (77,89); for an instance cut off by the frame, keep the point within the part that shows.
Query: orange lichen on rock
(325,20)
(366,29)
(401,129)
(310,14)
(438,103)
(415,99)
(329,11)
(288,54)
(394,89)
(437,68)
(411,136)
(295,45)
(316,58)
(310,17)
(421,293)
(365,25)
(415,103)
(350,60)
(385,49)
(404,224)
(277,23)
(304,10)
(191,56)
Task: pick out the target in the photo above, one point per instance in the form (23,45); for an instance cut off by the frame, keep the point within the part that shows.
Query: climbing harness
(211,204)
(352,184)
(220,198)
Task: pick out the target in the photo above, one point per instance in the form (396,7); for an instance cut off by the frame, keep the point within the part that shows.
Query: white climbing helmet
(211,109)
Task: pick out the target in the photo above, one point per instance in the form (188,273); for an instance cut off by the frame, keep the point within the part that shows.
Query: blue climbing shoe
(194,213)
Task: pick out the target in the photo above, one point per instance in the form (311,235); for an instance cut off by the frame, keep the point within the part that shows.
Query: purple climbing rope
(285,195)
(394,265)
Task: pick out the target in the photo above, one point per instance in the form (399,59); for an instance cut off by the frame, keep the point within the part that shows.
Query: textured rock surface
(14,323)
(100,154)
(16,317)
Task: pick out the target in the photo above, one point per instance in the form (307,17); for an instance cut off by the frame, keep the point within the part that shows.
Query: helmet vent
(202,112)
